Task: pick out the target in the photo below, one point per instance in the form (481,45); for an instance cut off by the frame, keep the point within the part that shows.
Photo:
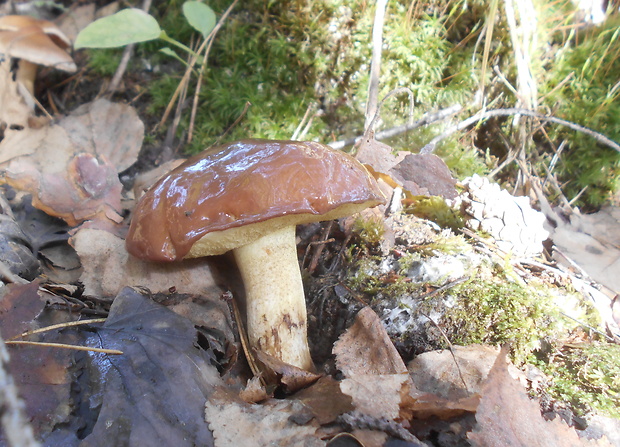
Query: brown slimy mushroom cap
(234,194)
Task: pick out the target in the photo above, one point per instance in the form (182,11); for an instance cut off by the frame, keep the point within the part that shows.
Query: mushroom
(34,42)
(248,197)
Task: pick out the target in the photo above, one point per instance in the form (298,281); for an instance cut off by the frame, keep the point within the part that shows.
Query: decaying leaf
(76,19)
(106,129)
(71,168)
(107,268)
(378,155)
(14,111)
(325,400)
(155,392)
(41,373)
(366,349)
(377,395)
(425,174)
(418,174)
(593,242)
(238,424)
(16,252)
(279,373)
(507,417)
(376,377)
(453,374)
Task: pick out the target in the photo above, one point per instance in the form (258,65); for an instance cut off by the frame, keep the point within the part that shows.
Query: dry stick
(177,114)
(370,128)
(488,36)
(303,121)
(522,20)
(444,335)
(430,147)
(243,337)
(375,64)
(428,118)
(320,245)
(64,346)
(15,426)
(304,132)
(58,326)
(210,38)
(122,66)
(237,121)
(181,86)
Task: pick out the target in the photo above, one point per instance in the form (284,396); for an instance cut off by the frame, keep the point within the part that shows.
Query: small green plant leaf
(199,16)
(130,25)
(169,52)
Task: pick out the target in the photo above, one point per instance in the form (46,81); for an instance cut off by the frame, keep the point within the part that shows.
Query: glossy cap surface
(233,194)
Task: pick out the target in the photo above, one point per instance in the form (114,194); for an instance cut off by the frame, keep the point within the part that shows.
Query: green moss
(284,58)
(583,88)
(587,377)
(365,277)
(104,62)
(497,311)
(436,209)
(369,230)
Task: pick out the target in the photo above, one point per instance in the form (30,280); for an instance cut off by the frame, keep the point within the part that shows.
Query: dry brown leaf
(425,174)
(41,373)
(437,372)
(325,400)
(254,391)
(238,424)
(592,241)
(14,111)
(366,349)
(378,155)
(106,129)
(76,19)
(276,372)
(66,167)
(507,417)
(377,395)
(108,268)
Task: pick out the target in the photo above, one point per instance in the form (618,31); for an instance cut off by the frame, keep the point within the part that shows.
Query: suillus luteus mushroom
(248,197)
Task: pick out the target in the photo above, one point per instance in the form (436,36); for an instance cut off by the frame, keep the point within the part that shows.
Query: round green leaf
(199,16)
(127,26)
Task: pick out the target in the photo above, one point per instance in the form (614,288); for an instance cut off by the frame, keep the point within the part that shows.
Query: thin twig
(243,336)
(303,121)
(64,346)
(237,121)
(397,91)
(58,326)
(127,53)
(375,64)
(430,147)
(428,118)
(210,38)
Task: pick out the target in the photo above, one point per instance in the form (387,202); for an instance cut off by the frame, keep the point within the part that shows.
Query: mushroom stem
(26,74)
(276,306)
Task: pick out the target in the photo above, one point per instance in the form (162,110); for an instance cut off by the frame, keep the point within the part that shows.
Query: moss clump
(369,230)
(497,311)
(104,62)
(586,376)
(436,209)
(583,88)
